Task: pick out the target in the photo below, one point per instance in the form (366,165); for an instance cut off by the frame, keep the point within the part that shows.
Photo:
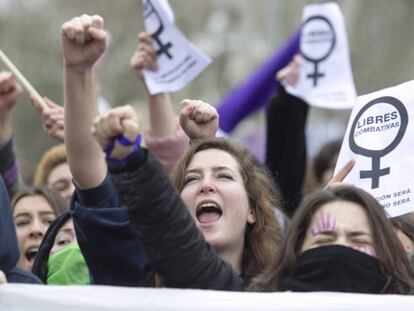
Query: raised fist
(83,41)
(9,92)
(144,57)
(113,123)
(198,119)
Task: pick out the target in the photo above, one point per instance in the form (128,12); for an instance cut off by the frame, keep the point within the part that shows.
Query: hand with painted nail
(53,118)
(113,123)
(83,41)
(198,119)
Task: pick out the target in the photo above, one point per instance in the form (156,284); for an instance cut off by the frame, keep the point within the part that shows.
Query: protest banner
(179,61)
(325,78)
(79,298)
(379,137)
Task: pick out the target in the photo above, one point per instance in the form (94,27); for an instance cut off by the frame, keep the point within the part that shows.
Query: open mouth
(31,253)
(208,212)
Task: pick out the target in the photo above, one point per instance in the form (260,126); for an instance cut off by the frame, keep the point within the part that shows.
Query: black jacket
(176,248)
(286,146)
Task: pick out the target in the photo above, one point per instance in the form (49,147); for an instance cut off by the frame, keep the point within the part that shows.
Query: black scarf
(336,268)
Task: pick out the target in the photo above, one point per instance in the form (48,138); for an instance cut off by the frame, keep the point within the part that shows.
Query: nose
(343,241)
(207,186)
(37,230)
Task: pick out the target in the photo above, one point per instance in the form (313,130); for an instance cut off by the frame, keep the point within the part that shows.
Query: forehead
(67,225)
(60,171)
(32,205)
(346,214)
(213,158)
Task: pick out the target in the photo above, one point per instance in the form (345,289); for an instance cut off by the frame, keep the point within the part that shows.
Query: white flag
(179,61)
(325,75)
(380,138)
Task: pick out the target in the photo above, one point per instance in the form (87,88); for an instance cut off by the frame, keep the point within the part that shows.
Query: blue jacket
(112,250)
(9,250)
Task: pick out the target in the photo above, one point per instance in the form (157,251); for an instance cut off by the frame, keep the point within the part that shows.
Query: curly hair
(262,239)
(52,158)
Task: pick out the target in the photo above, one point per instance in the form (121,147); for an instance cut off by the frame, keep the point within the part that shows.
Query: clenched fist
(198,119)
(83,41)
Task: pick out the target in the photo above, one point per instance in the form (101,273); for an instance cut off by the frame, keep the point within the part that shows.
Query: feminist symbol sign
(149,11)
(318,40)
(393,122)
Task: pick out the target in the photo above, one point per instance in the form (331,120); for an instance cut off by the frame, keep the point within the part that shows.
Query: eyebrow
(29,215)
(356,233)
(214,169)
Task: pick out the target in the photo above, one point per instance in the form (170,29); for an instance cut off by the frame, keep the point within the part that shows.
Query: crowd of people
(188,210)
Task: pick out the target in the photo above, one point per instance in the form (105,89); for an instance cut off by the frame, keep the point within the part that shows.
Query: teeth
(208,205)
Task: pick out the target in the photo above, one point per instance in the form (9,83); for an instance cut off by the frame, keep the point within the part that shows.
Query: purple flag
(255,92)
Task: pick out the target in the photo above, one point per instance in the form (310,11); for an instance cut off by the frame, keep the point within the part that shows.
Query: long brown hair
(55,200)
(262,238)
(389,250)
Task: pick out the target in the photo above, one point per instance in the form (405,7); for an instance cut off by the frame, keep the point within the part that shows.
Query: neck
(234,256)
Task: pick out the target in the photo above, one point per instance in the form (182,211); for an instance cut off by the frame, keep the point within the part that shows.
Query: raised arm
(165,138)
(9,93)
(83,41)
(161,112)
(286,140)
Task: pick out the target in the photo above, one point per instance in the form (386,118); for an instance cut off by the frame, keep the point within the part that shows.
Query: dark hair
(406,224)
(389,250)
(262,238)
(40,263)
(55,200)
(326,159)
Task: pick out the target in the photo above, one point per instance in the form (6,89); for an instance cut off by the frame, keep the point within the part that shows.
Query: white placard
(89,298)
(380,138)
(179,61)
(325,79)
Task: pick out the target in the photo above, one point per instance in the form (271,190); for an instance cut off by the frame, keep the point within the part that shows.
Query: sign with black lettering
(377,138)
(179,61)
(325,75)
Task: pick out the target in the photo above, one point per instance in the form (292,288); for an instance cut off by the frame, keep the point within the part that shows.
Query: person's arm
(110,247)
(83,41)
(176,248)
(286,140)
(9,93)
(161,111)
(165,137)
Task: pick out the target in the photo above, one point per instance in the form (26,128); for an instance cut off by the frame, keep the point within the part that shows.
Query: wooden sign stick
(26,84)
